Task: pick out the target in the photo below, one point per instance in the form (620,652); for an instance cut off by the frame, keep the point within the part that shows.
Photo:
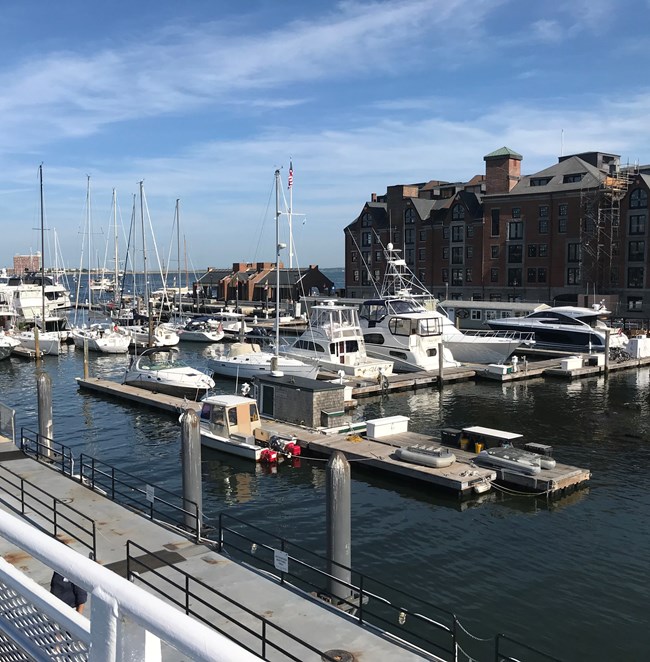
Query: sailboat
(245,360)
(48,341)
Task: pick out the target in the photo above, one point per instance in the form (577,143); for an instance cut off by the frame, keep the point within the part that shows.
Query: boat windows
(430,327)
(432,351)
(254,414)
(309,346)
(232,416)
(398,355)
(402,326)
(373,339)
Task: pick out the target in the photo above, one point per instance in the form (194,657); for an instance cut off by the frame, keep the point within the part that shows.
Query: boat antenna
(40,178)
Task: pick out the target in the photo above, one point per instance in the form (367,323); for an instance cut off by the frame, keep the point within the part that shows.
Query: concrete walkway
(308,620)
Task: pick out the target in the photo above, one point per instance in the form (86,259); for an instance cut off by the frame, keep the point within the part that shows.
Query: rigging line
(364,263)
(264,217)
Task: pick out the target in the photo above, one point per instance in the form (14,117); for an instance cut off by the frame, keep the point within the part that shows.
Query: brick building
(23,263)
(575,228)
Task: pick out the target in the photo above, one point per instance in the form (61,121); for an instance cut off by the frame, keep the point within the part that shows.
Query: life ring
(462,313)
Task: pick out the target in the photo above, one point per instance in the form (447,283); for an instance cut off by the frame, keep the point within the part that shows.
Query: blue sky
(202,100)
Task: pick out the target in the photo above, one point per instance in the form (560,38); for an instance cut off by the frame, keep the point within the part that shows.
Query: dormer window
(638,199)
(366,220)
(409,216)
(540,181)
(575,177)
(458,213)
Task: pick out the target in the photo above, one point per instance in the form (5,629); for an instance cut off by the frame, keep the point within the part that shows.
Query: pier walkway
(314,626)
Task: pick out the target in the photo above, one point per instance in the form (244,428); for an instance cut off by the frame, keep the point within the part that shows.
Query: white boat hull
(260,363)
(241,448)
(108,343)
(48,343)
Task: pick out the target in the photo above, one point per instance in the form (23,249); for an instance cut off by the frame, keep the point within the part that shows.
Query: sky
(203,100)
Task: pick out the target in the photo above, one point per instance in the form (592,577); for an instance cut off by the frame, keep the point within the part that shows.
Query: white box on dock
(382,427)
(499,369)
(638,347)
(571,363)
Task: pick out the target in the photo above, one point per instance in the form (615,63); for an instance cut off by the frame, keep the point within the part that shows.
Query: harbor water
(568,577)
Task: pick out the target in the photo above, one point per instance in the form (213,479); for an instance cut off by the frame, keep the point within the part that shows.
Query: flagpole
(290,210)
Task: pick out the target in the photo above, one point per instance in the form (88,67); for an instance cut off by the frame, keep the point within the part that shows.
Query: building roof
(502,152)
(562,176)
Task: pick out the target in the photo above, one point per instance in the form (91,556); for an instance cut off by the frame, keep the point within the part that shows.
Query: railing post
(112,482)
(191,461)
(103,627)
(54,518)
(338,522)
(45,425)
(22,496)
(361,599)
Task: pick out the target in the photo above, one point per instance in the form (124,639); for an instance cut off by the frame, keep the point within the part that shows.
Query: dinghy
(430,456)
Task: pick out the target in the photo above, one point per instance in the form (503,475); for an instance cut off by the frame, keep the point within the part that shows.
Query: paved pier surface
(309,620)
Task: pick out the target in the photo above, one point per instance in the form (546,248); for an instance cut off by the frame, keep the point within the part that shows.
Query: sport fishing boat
(567,328)
(403,324)
(158,370)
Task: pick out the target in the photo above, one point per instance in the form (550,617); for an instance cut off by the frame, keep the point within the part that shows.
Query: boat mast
(144,249)
(116,274)
(40,179)
(178,254)
(290,186)
(90,255)
(278,247)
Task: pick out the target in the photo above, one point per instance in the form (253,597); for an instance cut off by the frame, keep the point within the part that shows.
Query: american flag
(290,178)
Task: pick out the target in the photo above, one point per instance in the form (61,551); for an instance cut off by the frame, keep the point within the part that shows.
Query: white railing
(126,622)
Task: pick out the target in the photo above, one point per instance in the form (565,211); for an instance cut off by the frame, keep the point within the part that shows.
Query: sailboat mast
(178,253)
(144,249)
(40,179)
(90,255)
(116,274)
(278,246)
(290,185)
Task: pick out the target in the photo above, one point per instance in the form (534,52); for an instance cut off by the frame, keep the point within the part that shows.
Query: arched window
(638,199)
(458,212)
(409,216)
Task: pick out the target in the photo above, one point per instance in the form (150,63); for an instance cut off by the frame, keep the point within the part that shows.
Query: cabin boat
(201,330)
(101,338)
(157,370)
(229,423)
(7,345)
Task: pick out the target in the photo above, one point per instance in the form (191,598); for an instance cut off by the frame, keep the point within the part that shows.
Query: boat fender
(268,456)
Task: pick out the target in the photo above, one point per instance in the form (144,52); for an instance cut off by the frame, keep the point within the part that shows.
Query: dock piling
(339,530)
(191,460)
(45,424)
(85,358)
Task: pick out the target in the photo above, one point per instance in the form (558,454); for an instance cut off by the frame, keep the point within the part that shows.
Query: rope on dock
(507,490)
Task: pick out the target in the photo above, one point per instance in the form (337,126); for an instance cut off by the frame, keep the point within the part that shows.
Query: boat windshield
(402,306)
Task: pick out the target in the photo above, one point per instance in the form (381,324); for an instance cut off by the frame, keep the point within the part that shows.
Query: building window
(396,238)
(410,255)
(637,224)
(469,252)
(575,177)
(613,276)
(470,231)
(540,181)
(638,199)
(514,277)
(543,211)
(422,254)
(516,212)
(366,238)
(635,277)
(531,275)
(542,250)
(541,275)
(574,253)
(561,224)
(445,275)
(376,274)
(457,233)
(636,251)
(355,275)
(542,226)
(354,256)
(494,251)
(495,222)
(409,216)
(458,212)
(494,275)
(423,235)
(365,256)
(445,232)
(563,209)
(456,276)
(445,252)
(516,230)
(532,250)
(515,253)
(573,276)
(634,303)
(366,220)
(422,275)
(614,248)
(378,256)
(457,255)
(468,275)
(409,236)
(493,297)
(365,279)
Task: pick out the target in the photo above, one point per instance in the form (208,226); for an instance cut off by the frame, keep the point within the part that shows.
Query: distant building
(257,282)
(575,232)
(24,263)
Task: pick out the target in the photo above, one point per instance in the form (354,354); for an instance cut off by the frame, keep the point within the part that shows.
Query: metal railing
(47,450)
(47,512)
(206,603)
(507,649)
(153,501)
(130,491)
(371,602)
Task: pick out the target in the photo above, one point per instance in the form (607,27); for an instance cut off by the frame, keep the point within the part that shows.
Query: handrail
(125,488)
(501,656)
(46,449)
(64,518)
(194,599)
(400,614)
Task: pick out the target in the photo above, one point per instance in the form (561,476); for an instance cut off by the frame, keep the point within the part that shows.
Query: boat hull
(427,456)
(151,384)
(231,446)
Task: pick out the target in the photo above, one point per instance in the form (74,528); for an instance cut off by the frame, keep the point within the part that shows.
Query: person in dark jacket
(70,593)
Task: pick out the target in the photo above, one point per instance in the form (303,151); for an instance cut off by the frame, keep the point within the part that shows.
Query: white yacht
(158,370)
(107,339)
(567,328)
(334,341)
(201,330)
(7,344)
